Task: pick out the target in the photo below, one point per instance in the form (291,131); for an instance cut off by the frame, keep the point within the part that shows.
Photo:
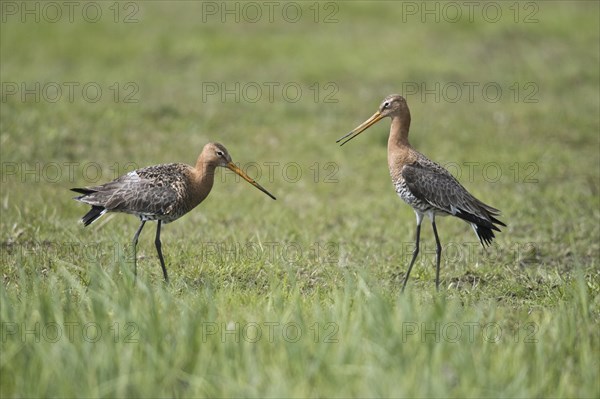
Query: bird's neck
(399,149)
(399,132)
(204,177)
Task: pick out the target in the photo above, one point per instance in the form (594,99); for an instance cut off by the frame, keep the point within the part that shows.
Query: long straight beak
(362,127)
(240,172)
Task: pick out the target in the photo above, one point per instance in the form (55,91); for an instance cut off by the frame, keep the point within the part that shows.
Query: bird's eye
(220,153)
(385,105)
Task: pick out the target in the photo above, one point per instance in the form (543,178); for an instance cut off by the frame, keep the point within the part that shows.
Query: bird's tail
(483,221)
(93,213)
(84,191)
(485,228)
(485,234)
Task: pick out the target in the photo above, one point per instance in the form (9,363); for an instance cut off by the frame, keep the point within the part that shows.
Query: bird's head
(392,106)
(216,154)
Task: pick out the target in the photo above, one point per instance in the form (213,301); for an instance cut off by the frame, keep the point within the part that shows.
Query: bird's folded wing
(441,190)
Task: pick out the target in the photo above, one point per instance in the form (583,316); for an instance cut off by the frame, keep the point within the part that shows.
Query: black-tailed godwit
(162,192)
(424,185)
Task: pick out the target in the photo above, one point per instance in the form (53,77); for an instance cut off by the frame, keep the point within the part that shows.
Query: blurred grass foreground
(299,297)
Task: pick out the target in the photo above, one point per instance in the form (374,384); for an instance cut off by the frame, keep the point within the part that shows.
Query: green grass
(316,273)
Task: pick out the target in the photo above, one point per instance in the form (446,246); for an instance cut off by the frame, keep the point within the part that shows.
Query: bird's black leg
(415,252)
(135,241)
(158,249)
(438,253)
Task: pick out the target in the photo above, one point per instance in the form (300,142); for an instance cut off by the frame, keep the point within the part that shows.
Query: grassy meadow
(300,297)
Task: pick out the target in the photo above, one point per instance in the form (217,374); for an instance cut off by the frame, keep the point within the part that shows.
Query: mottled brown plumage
(425,185)
(162,192)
